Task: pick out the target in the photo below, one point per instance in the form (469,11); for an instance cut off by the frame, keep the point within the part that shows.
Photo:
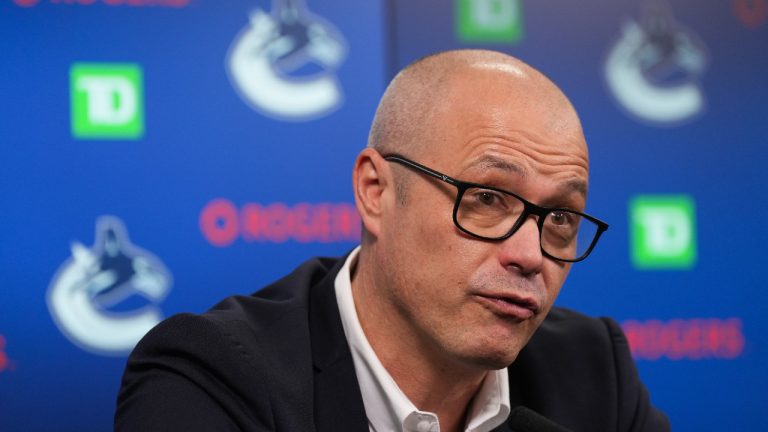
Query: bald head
(427,87)
(430,96)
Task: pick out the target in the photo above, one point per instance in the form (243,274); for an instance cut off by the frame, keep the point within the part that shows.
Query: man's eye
(486,198)
(560,218)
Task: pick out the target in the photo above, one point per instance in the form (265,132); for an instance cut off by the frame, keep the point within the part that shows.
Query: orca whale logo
(653,68)
(88,295)
(283,63)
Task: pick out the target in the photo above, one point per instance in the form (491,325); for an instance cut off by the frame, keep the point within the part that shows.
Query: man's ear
(370,180)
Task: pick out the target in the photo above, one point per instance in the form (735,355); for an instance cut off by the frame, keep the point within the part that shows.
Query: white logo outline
(72,291)
(262,55)
(641,45)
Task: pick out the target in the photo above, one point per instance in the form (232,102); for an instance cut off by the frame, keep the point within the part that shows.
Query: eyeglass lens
(492,214)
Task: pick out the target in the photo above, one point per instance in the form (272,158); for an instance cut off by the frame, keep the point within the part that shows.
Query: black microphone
(523,419)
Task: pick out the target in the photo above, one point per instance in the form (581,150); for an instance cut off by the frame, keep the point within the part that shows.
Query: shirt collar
(386,406)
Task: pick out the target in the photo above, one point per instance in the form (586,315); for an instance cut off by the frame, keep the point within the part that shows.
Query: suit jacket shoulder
(250,363)
(578,372)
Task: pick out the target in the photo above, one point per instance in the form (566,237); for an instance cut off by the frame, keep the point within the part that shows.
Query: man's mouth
(509,305)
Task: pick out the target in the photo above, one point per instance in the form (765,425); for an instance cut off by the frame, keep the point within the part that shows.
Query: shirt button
(424,426)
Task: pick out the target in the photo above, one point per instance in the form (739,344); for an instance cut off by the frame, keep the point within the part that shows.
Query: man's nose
(523,249)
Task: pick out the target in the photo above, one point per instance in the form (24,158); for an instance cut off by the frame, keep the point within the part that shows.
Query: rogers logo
(5,363)
(752,13)
(26,3)
(221,222)
(685,339)
(135,3)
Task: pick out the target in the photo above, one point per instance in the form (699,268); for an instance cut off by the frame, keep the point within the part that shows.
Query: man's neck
(430,380)
(441,391)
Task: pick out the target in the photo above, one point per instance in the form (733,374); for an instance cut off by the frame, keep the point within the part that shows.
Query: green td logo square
(663,231)
(495,21)
(107,100)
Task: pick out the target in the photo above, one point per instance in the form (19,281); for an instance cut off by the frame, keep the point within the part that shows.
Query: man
(471,193)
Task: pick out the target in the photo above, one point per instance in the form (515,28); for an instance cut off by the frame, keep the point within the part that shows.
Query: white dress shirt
(388,409)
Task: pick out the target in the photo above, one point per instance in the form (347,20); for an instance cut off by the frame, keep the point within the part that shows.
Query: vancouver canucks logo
(283,63)
(654,67)
(105,298)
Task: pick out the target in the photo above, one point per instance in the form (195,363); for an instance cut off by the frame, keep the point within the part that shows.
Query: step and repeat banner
(159,155)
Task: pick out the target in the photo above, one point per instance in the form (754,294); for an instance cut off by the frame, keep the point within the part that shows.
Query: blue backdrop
(158,155)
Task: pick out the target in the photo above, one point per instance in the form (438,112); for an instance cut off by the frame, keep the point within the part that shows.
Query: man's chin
(492,359)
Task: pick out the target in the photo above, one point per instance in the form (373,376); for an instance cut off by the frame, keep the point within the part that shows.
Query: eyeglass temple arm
(422,168)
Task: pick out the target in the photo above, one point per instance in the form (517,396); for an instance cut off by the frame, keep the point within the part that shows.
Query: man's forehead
(433,104)
(534,115)
(490,162)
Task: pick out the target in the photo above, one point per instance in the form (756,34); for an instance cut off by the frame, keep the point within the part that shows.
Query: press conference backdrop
(158,155)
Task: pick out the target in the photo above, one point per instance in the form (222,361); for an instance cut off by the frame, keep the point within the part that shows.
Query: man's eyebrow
(493,162)
(489,161)
(574,185)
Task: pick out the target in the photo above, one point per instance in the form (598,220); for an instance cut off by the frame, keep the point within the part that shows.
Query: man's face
(468,300)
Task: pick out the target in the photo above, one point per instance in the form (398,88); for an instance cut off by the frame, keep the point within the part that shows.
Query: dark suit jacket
(278,360)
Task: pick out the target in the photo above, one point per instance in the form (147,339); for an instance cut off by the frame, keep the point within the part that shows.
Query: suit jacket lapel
(338,403)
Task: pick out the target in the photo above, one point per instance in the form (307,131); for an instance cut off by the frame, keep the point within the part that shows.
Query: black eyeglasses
(490,213)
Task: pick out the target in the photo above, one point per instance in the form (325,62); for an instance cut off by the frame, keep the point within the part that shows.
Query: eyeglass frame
(529,208)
